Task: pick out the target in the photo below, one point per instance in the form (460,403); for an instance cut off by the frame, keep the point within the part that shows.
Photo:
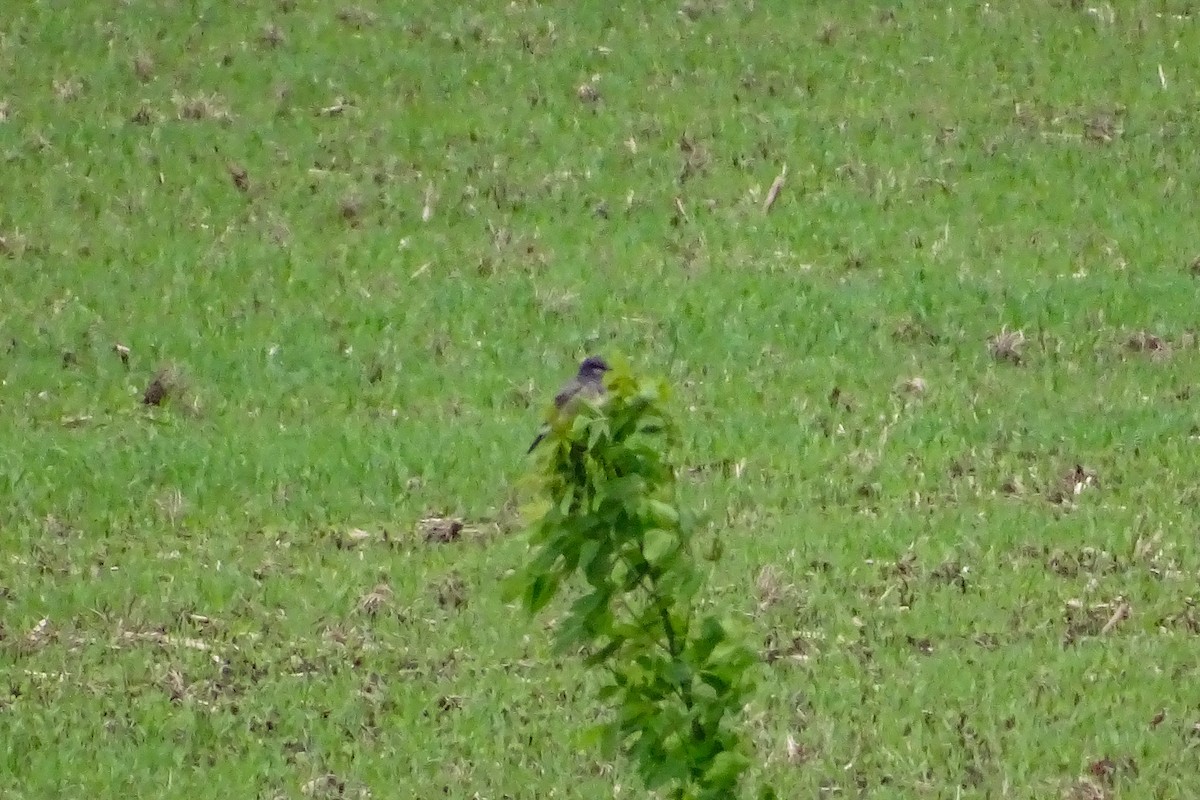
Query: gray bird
(587,383)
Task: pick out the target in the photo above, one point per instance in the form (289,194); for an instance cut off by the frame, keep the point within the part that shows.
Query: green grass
(953,170)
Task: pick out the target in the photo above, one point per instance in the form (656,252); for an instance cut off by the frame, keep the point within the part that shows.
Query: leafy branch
(675,678)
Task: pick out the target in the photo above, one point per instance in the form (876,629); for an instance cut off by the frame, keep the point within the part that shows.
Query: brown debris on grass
(1146,342)
(839,400)
(951,572)
(915,386)
(37,637)
(695,159)
(143,68)
(271,35)
(770,588)
(357,17)
(795,647)
(132,638)
(1107,769)
(68,89)
(1013,486)
(587,92)
(922,644)
(1071,485)
(201,107)
(144,115)
(375,372)
(555,302)
(352,538)
(171,505)
(1187,619)
(1086,789)
(351,207)
(913,331)
(1090,620)
(1101,127)
(325,787)
(796,752)
(174,685)
(13,244)
(164,385)
(375,600)
(440,530)
(1006,345)
(450,702)
(452,593)
(239,176)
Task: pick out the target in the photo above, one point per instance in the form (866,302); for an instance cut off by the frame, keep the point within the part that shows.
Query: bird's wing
(568,392)
(588,389)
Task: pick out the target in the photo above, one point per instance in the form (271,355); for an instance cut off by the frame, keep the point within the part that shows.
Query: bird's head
(593,368)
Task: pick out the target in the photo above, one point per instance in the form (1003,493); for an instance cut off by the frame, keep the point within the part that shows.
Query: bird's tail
(541,435)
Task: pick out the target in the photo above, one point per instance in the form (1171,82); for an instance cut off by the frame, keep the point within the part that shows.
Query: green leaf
(540,591)
(726,768)
(608,691)
(514,586)
(602,736)
(604,654)
(588,550)
(658,545)
(712,633)
(678,673)
(661,772)
(662,514)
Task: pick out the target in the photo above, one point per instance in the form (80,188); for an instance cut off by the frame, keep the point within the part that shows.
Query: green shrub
(675,678)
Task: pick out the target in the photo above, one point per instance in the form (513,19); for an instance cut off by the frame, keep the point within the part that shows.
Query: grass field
(939,402)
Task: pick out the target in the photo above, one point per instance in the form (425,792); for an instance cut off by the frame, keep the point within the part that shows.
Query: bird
(587,383)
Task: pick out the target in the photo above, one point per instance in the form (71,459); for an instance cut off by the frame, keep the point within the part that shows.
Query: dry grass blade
(1119,615)
(427,207)
(776,188)
(338,107)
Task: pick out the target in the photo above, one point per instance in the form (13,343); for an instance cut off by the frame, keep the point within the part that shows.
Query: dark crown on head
(593,364)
